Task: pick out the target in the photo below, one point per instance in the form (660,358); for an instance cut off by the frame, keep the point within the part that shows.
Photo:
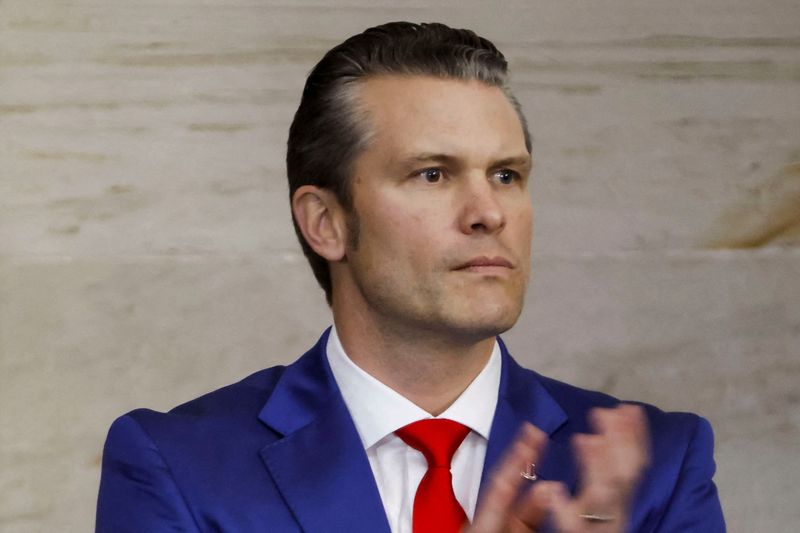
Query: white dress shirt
(378,411)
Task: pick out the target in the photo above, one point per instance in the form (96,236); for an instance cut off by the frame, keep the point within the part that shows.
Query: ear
(321,219)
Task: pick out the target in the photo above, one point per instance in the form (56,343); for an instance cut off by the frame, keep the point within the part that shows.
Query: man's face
(442,208)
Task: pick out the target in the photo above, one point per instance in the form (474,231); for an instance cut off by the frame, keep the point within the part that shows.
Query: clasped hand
(610,464)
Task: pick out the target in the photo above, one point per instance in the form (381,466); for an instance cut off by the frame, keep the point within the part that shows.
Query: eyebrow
(429,157)
(521,160)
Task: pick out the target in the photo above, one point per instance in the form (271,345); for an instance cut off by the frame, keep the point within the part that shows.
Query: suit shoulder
(577,401)
(233,404)
(572,397)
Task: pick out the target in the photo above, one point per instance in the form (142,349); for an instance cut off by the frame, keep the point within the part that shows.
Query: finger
(626,428)
(625,419)
(619,450)
(532,510)
(564,510)
(496,504)
(611,462)
(592,458)
(570,515)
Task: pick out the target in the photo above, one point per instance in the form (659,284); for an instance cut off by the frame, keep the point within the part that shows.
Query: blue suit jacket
(278,452)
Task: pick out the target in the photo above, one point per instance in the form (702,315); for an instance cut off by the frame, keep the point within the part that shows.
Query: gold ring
(596,517)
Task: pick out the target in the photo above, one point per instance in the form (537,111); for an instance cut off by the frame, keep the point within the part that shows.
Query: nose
(481,209)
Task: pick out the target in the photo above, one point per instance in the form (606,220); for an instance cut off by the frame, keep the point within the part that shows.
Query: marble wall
(147,254)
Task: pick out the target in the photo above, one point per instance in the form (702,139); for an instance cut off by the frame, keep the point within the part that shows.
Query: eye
(506,176)
(431,175)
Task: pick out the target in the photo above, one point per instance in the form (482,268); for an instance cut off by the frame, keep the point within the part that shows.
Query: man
(408,161)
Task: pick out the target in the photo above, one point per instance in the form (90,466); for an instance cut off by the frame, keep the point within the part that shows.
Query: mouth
(487,265)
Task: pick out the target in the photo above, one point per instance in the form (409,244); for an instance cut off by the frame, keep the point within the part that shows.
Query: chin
(487,321)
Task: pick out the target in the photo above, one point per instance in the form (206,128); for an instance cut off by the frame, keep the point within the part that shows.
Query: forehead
(414,114)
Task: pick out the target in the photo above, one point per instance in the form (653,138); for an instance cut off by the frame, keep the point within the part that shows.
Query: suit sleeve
(694,505)
(137,490)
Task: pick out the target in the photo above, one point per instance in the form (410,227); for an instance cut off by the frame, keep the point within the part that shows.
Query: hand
(610,462)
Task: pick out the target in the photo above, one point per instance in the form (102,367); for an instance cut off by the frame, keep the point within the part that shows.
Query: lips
(486,263)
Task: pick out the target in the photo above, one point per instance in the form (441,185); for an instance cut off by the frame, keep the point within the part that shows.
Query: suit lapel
(523,398)
(320,466)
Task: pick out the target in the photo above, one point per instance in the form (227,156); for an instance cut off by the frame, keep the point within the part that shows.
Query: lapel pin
(530,473)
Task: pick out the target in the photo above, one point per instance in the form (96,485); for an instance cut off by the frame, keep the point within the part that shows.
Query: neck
(431,370)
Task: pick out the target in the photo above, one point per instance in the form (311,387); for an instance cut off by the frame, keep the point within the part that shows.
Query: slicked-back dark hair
(329,130)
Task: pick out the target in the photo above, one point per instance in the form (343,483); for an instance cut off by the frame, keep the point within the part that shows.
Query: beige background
(147,256)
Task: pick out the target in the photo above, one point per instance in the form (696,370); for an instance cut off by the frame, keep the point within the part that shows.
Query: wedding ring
(530,474)
(595,517)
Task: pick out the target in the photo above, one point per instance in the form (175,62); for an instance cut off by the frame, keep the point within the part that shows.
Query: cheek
(398,219)
(385,230)
(408,241)
(522,219)
(403,231)
(523,233)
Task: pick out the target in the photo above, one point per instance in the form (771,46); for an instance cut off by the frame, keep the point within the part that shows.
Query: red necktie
(436,509)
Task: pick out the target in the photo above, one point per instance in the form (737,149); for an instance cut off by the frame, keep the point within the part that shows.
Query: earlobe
(320,218)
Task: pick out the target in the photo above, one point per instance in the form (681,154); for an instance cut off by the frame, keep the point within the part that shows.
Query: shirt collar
(377,410)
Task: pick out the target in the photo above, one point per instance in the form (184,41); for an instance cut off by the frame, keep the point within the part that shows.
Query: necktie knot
(436,509)
(437,439)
